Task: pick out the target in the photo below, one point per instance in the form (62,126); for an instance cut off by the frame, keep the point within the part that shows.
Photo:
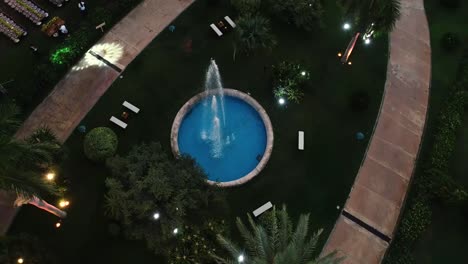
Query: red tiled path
(78,91)
(380,188)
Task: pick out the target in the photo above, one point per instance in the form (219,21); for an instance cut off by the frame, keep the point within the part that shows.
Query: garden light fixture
(339,54)
(58,224)
(241,258)
(367,41)
(346,26)
(50,176)
(156,216)
(303,73)
(176,230)
(20,260)
(64,203)
(281,101)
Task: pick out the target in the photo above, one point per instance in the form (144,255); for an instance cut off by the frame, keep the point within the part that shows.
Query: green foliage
(100,143)
(275,240)
(303,14)
(435,181)
(383,14)
(197,244)
(28,247)
(246,6)
(147,181)
(254,32)
(289,78)
(23,162)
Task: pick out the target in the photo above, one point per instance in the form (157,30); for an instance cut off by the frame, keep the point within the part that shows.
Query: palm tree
(253,32)
(370,16)
(21,163)
(275,241)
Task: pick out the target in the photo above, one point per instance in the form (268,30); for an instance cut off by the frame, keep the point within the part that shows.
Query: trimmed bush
(100,144)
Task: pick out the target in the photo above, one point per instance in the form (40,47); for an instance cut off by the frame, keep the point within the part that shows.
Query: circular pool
(229,136)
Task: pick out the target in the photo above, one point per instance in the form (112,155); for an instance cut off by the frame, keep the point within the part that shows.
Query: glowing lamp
(281,101)
(20,260)
(346,26)
(240,259)
(50,176)
(58,224)
(156,216)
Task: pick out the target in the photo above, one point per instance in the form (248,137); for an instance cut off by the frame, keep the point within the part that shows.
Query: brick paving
(75,95)
(380,188)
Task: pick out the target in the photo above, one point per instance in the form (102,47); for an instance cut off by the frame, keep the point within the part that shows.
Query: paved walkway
(368,221)
(80,89)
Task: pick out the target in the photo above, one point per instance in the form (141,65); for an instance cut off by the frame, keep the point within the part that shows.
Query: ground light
(350,63)
(241,258)
(175,231)
(367,41)
(303,73)
(346,26)
(339,54)
(281,101)
(64,203)
(20,260)
(156,216)
(58,224)
(50,176)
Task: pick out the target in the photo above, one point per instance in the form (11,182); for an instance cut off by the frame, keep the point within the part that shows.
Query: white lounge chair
(118,122)
(216,29)
(301,140)
(131,107)
(230,22)
(262,209)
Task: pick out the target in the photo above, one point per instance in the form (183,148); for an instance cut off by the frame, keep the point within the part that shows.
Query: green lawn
(164,77)
(445,241)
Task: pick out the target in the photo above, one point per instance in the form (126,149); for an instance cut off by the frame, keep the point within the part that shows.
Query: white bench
(262,209)
(118,122)
(216,29)
(301,140)
(229,20)
(131,107)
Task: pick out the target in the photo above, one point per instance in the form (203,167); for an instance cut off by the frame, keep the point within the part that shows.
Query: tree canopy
(154,196)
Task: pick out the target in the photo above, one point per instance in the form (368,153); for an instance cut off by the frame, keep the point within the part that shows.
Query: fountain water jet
(211,119)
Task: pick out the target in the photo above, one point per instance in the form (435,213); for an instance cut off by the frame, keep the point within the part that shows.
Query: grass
(164,77)
(445,241)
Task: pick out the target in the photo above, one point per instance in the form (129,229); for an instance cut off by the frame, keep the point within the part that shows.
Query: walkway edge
(379,192)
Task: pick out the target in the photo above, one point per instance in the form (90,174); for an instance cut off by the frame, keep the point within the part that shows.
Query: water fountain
(226,131)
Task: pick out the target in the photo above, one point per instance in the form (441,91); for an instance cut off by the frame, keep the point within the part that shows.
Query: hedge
(100,144)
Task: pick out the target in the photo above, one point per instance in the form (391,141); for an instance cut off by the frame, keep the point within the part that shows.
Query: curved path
(368,221)
(80,89)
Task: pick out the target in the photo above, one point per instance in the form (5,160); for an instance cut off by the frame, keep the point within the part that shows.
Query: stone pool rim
(187,107)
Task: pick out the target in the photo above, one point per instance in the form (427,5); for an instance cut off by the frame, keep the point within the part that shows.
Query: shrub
(246,6)
(450,41)
(289,78)
(303,14)
(254,32)
(100,144)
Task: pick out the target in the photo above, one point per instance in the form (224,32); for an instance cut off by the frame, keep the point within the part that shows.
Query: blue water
(243,139)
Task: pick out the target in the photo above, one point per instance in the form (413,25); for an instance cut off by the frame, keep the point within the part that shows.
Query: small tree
(253,32)
(288,81)
(275,241)
(247,6)
(100,144)
(152,195)
(303,14)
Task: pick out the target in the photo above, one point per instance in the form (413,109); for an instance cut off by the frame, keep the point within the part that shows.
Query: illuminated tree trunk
(39,203)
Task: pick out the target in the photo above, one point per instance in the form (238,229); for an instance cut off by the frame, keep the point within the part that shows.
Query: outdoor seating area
(29,9)
(221,27)
(125,115)
(9,28)
(257,212)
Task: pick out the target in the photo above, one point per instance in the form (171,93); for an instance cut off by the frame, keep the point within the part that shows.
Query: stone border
(246,98)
